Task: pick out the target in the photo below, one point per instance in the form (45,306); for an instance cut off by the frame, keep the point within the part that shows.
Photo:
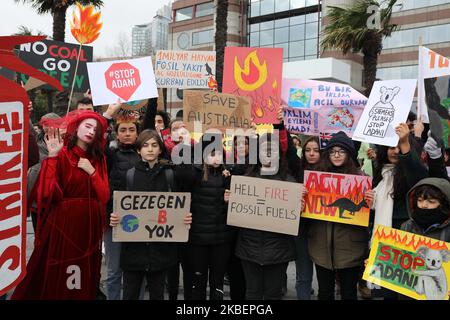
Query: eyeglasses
(340,152)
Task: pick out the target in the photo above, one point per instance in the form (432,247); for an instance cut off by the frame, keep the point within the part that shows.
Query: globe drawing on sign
(130,223)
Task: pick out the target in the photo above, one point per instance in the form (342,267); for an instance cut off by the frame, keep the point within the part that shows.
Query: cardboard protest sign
(209,109)
(185,69)
(129,80)
(410,264)
(58,59)
(337,197)
(389,104)
(255,73)
(14,127)
(320,106)
(151,216)
(264,204)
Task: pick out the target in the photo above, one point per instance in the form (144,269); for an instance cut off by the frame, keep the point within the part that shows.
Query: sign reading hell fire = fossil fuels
(337,197)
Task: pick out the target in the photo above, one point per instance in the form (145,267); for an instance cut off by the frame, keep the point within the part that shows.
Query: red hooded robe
(66,260)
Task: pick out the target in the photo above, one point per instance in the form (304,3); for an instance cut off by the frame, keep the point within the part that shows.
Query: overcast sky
(117,16)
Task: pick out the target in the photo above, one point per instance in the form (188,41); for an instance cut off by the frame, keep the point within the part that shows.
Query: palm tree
(348,30)
(58,10)
(25,31)
(221,39)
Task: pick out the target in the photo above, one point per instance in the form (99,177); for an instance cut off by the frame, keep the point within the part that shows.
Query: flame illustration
(408,239)
(212,83)
(253,75)
(86,28)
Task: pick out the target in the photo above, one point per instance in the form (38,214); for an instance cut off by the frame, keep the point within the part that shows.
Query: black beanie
(342,140)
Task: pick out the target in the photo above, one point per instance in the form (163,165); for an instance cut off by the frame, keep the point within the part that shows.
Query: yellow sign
(410,264)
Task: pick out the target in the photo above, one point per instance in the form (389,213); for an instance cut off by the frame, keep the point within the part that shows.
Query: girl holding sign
(151,260)
(310,159)
(338,248)
(209,246)
(265,255)
(72,192)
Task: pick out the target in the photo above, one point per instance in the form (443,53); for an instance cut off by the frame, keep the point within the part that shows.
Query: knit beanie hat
(340,139)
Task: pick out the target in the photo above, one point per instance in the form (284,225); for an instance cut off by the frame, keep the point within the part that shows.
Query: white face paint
(86,130)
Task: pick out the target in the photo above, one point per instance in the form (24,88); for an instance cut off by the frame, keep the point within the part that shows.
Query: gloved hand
(432,147)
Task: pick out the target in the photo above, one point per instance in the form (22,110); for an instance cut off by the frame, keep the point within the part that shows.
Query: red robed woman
(72,192)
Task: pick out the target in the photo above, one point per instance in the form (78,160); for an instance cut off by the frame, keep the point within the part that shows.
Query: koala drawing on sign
(382,113)
(432,282)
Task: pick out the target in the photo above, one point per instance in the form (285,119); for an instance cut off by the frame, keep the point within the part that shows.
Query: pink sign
(319,106)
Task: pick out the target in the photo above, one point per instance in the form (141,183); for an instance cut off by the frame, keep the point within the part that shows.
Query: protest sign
(58,59)
(129,80)
(215,110)
(14,127)
(319,106)
(410,264)
(264,204)
(185,69)
(388,105)
(431,64)
(337,197)
(13,173)
(255,73)
(151,216)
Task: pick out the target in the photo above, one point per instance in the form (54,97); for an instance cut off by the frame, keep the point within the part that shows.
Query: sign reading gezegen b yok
(151,216)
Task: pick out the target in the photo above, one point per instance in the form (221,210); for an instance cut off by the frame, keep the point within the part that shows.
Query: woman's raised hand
(53,141)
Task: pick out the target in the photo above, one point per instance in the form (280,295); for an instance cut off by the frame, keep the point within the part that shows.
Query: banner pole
(74,78)
(420,84)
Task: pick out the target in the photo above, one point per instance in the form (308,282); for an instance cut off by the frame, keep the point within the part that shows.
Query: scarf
(383,202)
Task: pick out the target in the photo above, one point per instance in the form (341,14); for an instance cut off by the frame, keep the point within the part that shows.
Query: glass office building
(293,25)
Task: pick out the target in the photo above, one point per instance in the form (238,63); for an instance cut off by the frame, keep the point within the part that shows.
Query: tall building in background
(296,26)
(149,37)
(425,19)
(194,28)
(141,40)
(289,24)
(160,28)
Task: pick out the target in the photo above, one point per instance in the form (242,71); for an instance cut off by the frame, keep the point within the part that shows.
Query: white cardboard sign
(388,105)
(127,80)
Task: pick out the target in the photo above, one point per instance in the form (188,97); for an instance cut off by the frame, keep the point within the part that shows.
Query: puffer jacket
(149,256)
(439,232)
(263,247)
(119,161)
(208,208)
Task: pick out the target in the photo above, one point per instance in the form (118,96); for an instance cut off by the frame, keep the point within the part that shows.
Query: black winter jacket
(119,161)
(208,208)
(149,256)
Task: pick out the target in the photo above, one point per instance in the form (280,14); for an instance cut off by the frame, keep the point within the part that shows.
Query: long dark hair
(94,149)
(348,167)
(165,116)
(305,164)
(399,188)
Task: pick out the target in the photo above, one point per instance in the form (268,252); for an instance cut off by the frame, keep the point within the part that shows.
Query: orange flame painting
(86,27)
(255,73)
(408,240)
